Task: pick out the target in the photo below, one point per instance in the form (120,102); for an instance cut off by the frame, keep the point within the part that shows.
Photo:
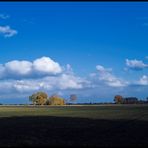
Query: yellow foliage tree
(56,100)
(39,98)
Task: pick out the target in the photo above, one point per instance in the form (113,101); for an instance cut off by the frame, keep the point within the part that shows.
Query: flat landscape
(79,125)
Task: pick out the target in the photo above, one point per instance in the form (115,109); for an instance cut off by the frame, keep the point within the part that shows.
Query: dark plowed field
(125,125)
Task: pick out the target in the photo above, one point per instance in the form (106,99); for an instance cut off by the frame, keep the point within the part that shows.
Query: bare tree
(73,97)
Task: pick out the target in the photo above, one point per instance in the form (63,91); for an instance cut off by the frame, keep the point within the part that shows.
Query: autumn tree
(118,99)
(56,100)
(38,98)
(32,98)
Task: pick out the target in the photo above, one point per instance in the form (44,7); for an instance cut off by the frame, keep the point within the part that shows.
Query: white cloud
(64,81)
(3,16)
(26,85)
(47,66)
(143,80)
(136,64)
(71,82)
(107,78)
(48,83)
(100,68)
(39,67)
(20,77)
(7,31)
(19,67)
(111,80)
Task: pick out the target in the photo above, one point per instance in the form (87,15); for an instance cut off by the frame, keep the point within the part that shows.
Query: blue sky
(93,49)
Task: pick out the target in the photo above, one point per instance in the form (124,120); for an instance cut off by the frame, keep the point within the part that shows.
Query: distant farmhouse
(130,100)
(118,99)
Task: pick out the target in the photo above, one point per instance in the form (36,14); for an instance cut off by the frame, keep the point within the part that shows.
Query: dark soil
(67,131)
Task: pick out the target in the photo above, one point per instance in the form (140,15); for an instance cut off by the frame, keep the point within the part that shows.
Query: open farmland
(92,125)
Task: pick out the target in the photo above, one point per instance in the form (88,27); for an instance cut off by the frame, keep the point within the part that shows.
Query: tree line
(118,99)
(41,98)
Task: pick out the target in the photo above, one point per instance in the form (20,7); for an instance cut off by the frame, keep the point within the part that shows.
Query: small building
(130,100)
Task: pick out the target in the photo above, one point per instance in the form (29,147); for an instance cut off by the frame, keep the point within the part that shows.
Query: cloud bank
(26,77)
(23,77)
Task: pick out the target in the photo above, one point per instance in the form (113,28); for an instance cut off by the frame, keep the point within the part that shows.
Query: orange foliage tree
(118,99)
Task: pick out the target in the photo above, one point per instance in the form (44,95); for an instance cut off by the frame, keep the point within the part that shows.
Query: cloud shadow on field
(68,131)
